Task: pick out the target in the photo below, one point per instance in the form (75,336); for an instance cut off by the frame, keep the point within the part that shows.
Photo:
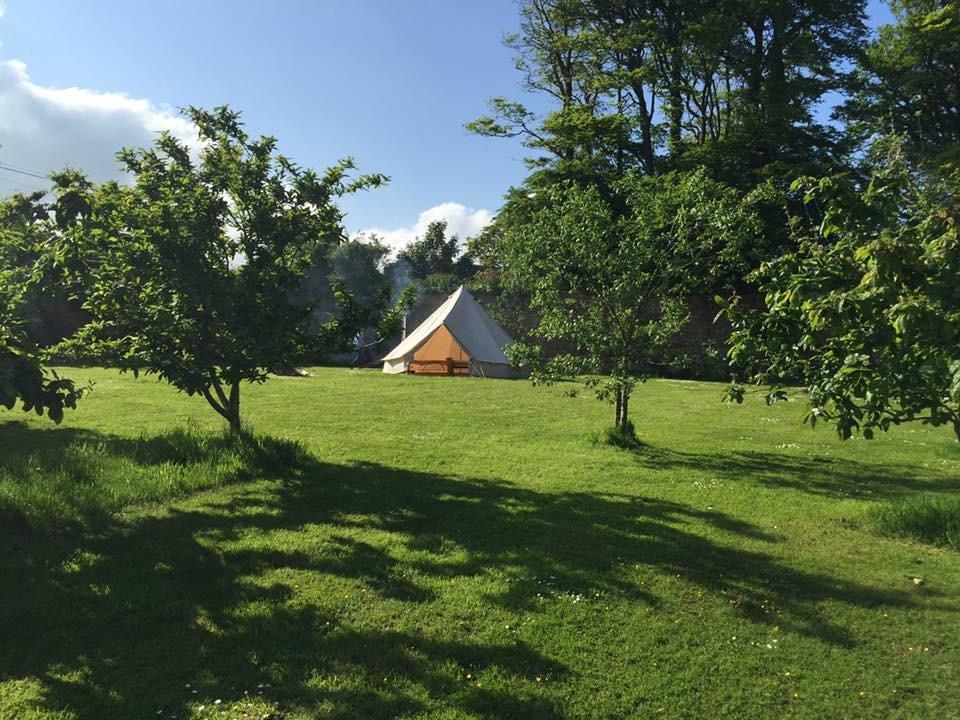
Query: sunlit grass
(455,548)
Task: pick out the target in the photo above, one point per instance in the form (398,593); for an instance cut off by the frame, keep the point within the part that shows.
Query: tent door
(441,354)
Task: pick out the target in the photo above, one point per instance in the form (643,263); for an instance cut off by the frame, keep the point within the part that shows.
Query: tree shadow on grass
(115,621)
(816,475)
(582,543)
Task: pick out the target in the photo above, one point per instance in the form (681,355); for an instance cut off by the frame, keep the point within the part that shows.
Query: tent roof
(468,322)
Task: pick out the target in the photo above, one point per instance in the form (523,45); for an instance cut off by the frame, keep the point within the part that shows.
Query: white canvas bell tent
(459,338)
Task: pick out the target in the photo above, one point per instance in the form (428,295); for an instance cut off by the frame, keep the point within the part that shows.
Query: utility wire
(23,172)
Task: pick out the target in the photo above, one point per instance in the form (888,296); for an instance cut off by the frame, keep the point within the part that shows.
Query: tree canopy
(863,311)
(907,82)
(677,84)
(436,261)
(611,274)
(854,295)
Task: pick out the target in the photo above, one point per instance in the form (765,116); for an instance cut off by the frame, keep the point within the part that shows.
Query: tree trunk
(234,409)
(675,84)
(621,413)
(227,407)
(956,428)
(775,105)
(646,123)
(675,111)
(624,413)
(755,72)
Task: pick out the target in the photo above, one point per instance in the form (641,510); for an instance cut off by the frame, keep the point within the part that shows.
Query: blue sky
(391,83)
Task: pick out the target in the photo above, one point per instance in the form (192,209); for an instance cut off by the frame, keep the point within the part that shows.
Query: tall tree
(651,86)
(778,59)
(360,263)
(191,271)
(907,82)
(436,260)
(562,55)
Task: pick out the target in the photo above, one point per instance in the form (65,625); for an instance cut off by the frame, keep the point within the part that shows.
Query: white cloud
(3,9)
(461,220)
(44,129)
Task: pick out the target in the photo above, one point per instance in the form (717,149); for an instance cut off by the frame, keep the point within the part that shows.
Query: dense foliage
(357,279)
(652,86)
(23,379)
(865,314)
(24,280)
(855,295)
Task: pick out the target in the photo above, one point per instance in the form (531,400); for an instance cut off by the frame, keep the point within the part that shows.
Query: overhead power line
(23,172)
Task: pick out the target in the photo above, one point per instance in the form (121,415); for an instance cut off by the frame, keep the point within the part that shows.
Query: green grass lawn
(457,548)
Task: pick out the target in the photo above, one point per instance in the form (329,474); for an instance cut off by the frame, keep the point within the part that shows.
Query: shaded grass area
(83,478)
(823,476)
(458,550)
(934,520)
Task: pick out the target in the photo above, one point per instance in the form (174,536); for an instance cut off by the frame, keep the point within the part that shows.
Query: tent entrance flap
(441,354)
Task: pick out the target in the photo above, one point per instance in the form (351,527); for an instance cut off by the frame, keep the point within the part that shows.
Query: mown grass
(90,477)
(458,548)
(934,520)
